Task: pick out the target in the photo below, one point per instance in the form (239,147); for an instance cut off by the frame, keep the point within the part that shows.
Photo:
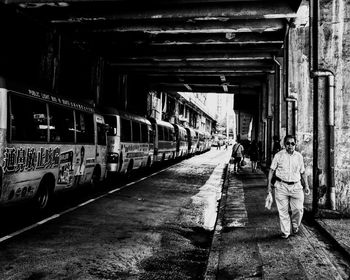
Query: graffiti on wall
(28,159)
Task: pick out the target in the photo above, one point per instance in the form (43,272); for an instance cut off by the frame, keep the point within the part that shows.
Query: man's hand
(269,189)
(307,190)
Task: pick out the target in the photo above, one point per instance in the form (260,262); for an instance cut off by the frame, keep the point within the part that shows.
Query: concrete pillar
(299,110)
(50,61)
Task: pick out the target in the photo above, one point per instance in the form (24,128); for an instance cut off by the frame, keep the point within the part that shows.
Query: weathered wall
(334,53)
(300,86)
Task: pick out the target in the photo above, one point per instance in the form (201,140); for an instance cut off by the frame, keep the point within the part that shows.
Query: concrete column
(299,90)
(50,61)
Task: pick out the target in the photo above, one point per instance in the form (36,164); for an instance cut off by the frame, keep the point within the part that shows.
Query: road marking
(55,216)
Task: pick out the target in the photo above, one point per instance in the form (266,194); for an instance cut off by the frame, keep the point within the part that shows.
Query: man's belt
(288,183)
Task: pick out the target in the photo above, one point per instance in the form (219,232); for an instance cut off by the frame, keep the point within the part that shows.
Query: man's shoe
(284,236)
(295,230)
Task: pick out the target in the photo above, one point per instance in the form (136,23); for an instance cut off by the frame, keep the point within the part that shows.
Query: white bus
(201,141)
(164,140)
(130,141)
(207,141)
(192,140)
(181,141)
(47,144)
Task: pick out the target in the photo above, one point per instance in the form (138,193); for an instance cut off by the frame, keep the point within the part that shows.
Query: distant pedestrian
(254,155)
(288,167)
(237,155)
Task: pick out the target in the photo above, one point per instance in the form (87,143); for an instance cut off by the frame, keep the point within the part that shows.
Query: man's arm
(269,178)
(305,183)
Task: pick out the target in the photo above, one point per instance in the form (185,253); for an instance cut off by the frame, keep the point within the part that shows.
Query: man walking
(289,169)
(237,154)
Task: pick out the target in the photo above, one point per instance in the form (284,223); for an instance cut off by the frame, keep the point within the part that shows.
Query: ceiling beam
(222,38)
(101,11)
(174,27)
(204,64)
(201,70)
(229,56)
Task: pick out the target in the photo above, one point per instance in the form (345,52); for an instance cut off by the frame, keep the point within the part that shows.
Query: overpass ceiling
(224,46)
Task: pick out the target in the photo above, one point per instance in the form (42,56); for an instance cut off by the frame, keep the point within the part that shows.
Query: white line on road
(55,216)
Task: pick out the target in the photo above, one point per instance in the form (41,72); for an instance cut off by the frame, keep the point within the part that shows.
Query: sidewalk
(247,243)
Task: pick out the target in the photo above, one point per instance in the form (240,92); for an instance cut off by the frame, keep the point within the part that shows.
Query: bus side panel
(25,165)
(3,127)
(85,162)
(167,148)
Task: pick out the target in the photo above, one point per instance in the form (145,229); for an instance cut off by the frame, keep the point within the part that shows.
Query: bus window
(101,134)
(144,133)
(166,134)
(136,136)
(125,130)
(171,135)
(160,133)
(84,127)
(61,124)
(151,135)
(112,123)
(28,120)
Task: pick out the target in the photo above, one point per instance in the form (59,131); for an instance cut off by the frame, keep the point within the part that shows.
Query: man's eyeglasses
(290,143)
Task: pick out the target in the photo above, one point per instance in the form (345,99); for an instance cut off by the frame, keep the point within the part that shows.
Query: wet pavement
(157,228)
(247,243)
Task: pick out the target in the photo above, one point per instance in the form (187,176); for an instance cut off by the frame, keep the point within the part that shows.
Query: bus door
(85,149)
(101,147)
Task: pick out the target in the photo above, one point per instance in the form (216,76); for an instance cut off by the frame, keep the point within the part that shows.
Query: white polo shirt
(288,167)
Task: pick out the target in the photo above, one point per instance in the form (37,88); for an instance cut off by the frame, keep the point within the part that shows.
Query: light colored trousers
(289,196)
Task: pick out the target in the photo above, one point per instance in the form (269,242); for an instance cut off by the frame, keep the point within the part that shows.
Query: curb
(214,254)
(324,229)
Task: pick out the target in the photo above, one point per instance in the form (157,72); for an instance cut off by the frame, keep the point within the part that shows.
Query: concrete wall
(334,51)
(334,55)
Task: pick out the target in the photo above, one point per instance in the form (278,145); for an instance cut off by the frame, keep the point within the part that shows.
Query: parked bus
(164,140)
(130,141)
(208,141)
(201,141)
(192,141)
(181,141)
(47,144)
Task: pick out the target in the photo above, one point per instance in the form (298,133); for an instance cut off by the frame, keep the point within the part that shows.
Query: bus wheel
(42,197)
(95,179)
